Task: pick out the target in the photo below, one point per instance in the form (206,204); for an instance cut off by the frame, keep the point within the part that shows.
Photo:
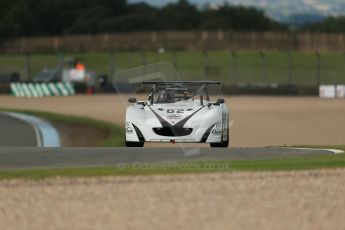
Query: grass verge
(281,164)
(115,137)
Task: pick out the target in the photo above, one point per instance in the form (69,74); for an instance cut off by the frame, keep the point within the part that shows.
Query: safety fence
(230,67)
(42,89)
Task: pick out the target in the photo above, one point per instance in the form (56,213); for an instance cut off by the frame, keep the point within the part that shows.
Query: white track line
(38,135)
(335,151)
(46,134)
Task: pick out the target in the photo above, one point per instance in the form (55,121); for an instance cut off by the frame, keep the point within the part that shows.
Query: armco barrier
(42,89)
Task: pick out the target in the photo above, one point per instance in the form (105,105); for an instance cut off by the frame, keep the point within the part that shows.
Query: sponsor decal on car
(217,132)
(218,126)
(129,128)
(173,117)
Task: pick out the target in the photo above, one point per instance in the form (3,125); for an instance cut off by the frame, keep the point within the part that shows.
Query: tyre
(134,144)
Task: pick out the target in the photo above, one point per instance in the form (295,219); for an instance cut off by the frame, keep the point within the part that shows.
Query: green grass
(190,65)
(115,137)
(277,164)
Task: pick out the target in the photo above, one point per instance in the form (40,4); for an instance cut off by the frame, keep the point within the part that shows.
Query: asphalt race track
(19,157)
(18,141)
(14,132)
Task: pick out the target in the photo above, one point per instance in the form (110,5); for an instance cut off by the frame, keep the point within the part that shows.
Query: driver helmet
(165,96)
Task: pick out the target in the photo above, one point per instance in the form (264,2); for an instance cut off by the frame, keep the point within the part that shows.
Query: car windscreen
(176,94)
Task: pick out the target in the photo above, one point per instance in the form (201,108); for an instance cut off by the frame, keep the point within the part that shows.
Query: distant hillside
(304,19)
(299,11)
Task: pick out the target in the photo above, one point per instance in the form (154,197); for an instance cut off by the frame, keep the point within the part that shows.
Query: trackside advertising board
(327,91)
(340,91)
(332,91)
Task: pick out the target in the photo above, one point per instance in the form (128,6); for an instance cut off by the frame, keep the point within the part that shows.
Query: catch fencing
(232,67)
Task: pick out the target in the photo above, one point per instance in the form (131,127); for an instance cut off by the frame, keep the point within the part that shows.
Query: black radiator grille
(173,131)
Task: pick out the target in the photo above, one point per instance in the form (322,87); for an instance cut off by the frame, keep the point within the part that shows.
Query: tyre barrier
(42,89)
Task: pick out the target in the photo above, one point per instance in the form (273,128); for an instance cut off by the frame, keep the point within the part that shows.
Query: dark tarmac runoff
(29,157)
(14,132)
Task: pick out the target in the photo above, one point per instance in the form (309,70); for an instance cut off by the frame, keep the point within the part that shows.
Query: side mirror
(220,101)
(132,100)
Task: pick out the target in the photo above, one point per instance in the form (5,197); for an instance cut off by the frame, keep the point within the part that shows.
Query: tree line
(20,18)
(59,17)
(328,25)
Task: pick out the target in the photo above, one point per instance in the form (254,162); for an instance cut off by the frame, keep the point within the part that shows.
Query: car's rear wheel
(134,144)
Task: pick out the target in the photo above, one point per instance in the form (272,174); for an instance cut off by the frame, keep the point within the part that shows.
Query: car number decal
(175,110)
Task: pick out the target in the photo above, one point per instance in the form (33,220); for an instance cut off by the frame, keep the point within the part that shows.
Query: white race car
(178,112)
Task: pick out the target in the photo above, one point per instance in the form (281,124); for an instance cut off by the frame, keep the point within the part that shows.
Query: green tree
(12,15)
(329,25)
(240,18)
(137,17)
(180,16)
(56,17)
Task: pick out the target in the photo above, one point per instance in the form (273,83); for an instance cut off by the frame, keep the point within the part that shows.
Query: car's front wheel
(134,144)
